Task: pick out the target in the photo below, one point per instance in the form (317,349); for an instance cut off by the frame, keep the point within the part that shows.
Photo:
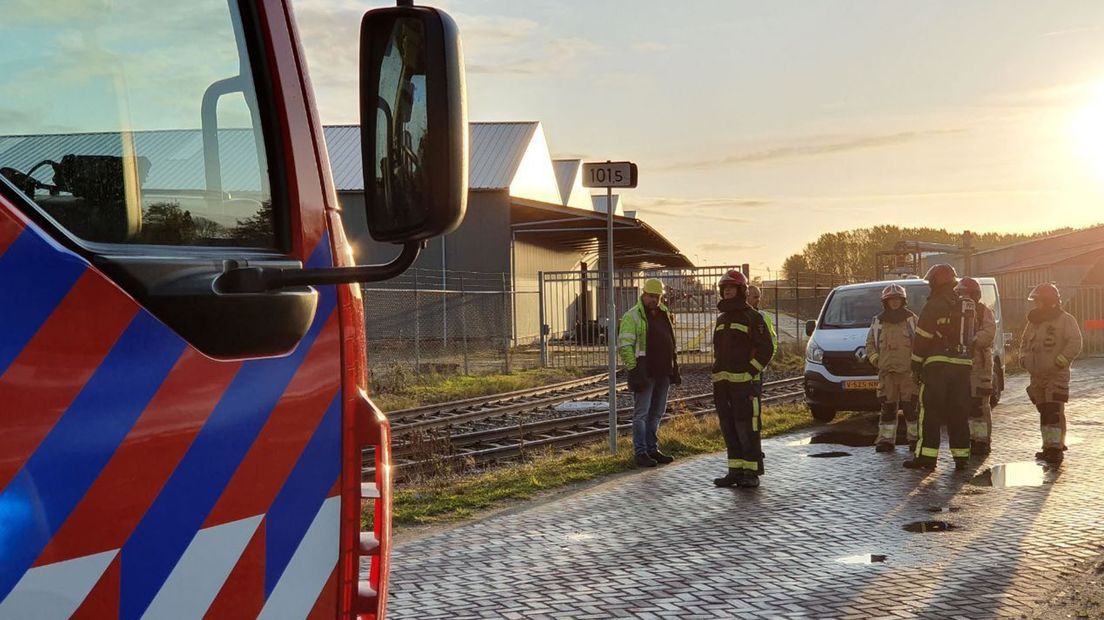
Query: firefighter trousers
(887,422)
(738,410)
(1052,424)
(944,400)
(981,419)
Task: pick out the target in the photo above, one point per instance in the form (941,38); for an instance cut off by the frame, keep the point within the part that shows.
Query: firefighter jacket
(1050,343)
(742,344)
(632,335)
(889,342)
(985,333)
(939,332)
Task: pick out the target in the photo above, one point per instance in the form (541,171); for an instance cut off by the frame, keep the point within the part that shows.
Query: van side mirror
(810,327)
(413,123)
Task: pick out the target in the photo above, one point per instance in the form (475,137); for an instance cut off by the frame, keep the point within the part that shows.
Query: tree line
(850,254)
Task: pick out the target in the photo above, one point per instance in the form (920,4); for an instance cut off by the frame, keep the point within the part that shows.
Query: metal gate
(573,307)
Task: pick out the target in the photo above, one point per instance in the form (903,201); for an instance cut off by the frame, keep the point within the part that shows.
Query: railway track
(510,440)
(442,415)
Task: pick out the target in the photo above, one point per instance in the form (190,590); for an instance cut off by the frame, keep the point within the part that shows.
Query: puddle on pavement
(804,441)
(869,558)
(938,509)
(1019,474)
(927,527)
(844,438)
(828,455)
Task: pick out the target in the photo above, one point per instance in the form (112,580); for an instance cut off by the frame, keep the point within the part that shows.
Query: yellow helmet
(653,286)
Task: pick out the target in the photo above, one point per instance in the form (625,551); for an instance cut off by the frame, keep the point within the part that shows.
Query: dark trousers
(945,400)
(738,409)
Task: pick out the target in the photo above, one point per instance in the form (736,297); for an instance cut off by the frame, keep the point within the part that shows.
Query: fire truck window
(136,121)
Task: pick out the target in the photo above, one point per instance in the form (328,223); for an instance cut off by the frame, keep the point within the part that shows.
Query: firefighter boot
(979,448)
(887,428)
(733,478)
(961,463)
(920,462)
(749,481)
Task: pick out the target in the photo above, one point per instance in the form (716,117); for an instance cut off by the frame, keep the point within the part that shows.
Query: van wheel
(822,414)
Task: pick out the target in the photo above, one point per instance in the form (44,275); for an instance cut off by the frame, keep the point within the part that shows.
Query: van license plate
(860,385)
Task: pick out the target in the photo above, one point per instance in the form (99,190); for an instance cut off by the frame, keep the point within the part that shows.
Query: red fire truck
(183,405)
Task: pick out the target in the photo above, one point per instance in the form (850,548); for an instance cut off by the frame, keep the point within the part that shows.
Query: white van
(837,375)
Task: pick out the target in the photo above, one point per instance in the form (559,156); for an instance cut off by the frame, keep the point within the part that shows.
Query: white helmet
(893,290)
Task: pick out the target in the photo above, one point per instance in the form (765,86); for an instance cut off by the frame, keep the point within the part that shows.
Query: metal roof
(175,156)
(343,144)
(496,152)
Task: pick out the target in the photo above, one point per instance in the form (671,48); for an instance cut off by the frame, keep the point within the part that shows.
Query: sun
(1088,133)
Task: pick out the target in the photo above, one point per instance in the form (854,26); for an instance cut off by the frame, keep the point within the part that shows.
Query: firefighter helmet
(653,286)
(732,277)
(941,275)
(969,287)
(893,291)
(1047,293)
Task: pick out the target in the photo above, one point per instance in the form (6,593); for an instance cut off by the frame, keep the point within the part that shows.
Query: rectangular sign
(609,174)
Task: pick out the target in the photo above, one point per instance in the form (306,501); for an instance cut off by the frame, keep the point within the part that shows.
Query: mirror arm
(260,279)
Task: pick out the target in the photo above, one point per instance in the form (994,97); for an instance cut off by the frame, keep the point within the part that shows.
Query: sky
(757,126)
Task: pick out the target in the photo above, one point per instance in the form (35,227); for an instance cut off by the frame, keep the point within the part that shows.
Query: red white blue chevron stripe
(141,478)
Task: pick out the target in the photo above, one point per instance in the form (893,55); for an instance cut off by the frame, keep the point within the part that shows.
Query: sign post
(610,174)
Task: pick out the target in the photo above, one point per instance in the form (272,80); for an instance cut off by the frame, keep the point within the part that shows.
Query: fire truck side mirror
(414,126)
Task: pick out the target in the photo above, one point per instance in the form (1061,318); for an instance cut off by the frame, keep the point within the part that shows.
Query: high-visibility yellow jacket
(632,335)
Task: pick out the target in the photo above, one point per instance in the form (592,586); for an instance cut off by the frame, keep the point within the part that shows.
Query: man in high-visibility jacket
(942,359)
(742,347)
(646,346)
(1050,343)
(755,295)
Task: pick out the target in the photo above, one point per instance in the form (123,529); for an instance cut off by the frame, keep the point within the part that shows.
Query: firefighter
(889,349)
(742,347)
(981,373)
(1050,343)
(942,360)
(646,345)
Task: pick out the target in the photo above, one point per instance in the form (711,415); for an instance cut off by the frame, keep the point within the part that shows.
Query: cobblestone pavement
(665,543)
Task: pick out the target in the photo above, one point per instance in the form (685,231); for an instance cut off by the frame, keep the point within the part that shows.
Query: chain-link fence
(437,322)
(574,310)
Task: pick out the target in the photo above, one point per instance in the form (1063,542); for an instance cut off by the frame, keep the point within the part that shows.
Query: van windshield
(857,307)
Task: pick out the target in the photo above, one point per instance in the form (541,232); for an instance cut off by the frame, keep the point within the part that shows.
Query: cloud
(684,204)
(555,57)
(822,146)
(650,47)
(726,246)
(1060,33)
(689,217)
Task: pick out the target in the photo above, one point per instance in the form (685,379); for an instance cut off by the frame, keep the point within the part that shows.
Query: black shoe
(979,448)
(961,464)
(749,481)
(883,447)
(1041,455)
(920,462)
(1053,456)
(732,478)
(643,460)
(661,458)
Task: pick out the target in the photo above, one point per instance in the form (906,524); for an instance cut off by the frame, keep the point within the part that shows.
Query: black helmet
(941,275)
